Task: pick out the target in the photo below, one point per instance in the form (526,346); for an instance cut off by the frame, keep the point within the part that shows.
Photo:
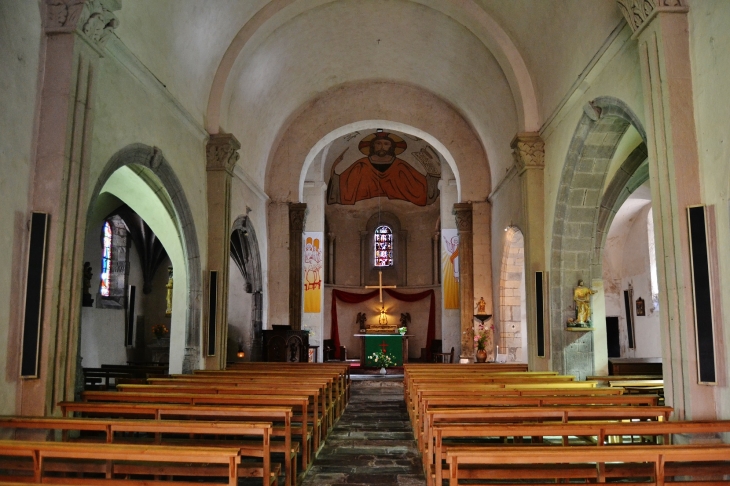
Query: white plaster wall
(710,55)
(626,261)
(19,57)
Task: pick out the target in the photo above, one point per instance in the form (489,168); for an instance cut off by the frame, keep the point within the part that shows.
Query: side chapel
(180,178)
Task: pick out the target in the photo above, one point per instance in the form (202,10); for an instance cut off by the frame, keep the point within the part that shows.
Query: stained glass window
(383,246)
(106,259)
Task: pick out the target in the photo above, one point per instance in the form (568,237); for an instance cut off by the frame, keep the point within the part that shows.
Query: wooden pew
(341,369)
(281,417)
(658,432)
(297,402)
(589,463)
(147,460)
(533,415)
(109,429)
(315,394)
(334,394)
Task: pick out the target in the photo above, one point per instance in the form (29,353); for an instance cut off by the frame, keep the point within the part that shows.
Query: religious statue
(582,298)
(382,173)
(481,306)
(168,311)
(360,319)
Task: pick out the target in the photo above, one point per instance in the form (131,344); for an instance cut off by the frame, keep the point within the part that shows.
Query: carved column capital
(297,217)
(95,19)
(222,152)
(638,13)
(528,150)
(463,214)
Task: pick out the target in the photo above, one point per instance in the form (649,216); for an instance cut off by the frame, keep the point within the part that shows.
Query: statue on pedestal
(582,299)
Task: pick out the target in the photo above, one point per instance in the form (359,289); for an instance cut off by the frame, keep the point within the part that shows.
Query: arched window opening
(114,259)
(383,246)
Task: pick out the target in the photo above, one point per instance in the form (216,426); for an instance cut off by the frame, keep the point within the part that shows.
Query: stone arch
(247,257)
(405,108)
(151,166)
(512,305)
(582,217)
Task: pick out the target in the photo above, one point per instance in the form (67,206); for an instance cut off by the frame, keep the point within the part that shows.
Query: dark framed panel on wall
(33,306)
(212,308)
(540,313)
(702,293)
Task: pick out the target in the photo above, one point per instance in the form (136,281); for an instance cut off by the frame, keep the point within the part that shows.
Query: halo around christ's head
(399,144)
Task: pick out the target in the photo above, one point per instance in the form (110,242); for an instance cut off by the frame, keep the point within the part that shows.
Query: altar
(395,345)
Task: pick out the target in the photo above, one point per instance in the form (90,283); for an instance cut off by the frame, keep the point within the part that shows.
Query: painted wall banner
(450,267)
(312,263)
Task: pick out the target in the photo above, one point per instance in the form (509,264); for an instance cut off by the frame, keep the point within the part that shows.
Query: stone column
(297,222)
(331,258)
(662,31)
(463,215)
(435,258)
(222,155)
(528,150)
(75,36)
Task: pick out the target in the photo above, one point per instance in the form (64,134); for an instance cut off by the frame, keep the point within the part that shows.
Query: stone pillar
(331,258)
(75,35)
(529,153)
(463,215)
(662,31)
(222,155)
(297,221)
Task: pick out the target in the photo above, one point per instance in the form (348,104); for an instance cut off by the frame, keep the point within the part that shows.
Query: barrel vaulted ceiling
(248,67)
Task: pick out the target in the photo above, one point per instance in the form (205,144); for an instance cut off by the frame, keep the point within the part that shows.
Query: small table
(366,346)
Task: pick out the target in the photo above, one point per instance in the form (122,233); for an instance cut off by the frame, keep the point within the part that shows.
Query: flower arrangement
(483,336)
(402,330)
(382,359)
(160,331)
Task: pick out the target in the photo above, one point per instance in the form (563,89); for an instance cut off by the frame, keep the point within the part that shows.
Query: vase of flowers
(483,339)
(402,330)
(382,359)
(160,331)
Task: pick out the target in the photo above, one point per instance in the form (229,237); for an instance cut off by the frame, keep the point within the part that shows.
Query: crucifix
(384,347)
(380,286)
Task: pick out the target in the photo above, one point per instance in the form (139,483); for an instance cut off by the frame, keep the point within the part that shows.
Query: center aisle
(372,444)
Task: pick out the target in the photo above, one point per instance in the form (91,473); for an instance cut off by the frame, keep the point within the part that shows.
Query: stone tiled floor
(372,444)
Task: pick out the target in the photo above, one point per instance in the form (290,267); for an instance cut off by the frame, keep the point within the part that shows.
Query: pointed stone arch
(582,217)
(246,255)
(153,168)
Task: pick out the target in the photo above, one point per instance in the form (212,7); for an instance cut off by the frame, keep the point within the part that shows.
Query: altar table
(395,345)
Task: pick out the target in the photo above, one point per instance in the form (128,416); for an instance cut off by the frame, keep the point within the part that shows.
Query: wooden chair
(443,357)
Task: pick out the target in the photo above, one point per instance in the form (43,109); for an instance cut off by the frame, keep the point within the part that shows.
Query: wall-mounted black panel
(628,299)
(702,292)
(212,307)
(540,314)
(129,336)
(34,295)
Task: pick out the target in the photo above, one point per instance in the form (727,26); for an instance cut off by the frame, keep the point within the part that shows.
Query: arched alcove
(512,325)
(582,215)
(140,176)
(245,302)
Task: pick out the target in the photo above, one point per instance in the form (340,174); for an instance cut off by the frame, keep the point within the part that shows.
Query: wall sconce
(383,318)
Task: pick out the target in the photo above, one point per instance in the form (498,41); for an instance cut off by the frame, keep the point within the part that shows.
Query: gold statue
(582,298)
(168,311)
(481,306)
